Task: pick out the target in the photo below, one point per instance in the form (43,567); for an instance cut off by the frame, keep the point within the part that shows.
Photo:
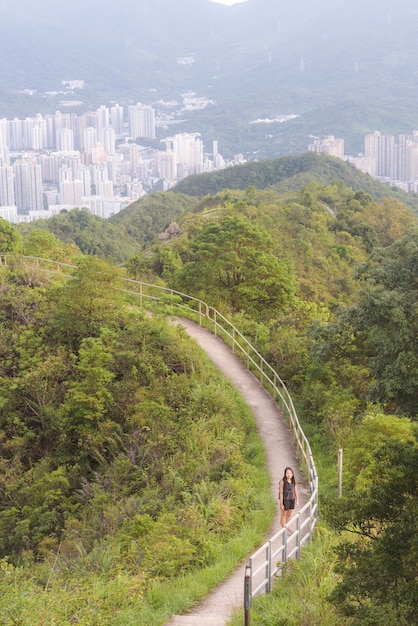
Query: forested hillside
(135,228)
(108,469)
(125,460)
(292,173)
(115,239)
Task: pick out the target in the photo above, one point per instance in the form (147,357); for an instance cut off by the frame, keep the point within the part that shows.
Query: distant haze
(228,2)
(338,67)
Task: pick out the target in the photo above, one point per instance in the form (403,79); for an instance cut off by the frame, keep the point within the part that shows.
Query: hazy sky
(228,2)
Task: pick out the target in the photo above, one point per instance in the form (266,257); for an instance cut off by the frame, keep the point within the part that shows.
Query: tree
(84,413)
(10,238)
(233,259)
(387,311)
(42,243)
(88,302)
(378,583)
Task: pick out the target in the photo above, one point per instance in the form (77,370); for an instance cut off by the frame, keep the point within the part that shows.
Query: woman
(288,496)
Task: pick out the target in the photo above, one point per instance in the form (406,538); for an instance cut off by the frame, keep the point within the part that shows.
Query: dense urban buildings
(393,161)
(330,145)
(388,160)
(94,160)
(105,159)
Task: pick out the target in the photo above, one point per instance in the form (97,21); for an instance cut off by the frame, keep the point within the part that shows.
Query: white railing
(266,563)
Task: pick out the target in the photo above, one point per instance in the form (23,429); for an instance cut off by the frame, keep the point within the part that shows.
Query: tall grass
(36,597)
(299,596)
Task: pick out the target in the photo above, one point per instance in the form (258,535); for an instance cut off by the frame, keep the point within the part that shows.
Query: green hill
(139,225)
(291,173)
(126,460)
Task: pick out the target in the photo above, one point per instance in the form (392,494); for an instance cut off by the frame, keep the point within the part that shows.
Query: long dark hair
(293,475)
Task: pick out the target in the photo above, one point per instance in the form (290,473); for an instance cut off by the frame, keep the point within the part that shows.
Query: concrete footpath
(217,608)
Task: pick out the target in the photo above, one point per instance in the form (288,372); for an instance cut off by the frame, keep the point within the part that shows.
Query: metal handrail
(268,566)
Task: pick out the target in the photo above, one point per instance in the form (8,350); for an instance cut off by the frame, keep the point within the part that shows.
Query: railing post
(298,537)
(247,594)
(268,568)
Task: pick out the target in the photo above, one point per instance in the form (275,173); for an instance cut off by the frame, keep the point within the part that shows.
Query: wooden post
(340,472)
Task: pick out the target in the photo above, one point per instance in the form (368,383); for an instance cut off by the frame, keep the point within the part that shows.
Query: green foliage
(290,173)
(42,243)
(232,258)
(10,239)
(146,218)
(80,230)
(387,310)
(87,303)
(299,595)
(378,584)
(123,454)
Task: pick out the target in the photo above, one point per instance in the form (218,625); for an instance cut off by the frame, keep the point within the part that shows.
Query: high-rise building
(109,140)
(167,165)
(103,121)
(385,156)
(98,154)
(116,119)
(89,139)
(50,132)
(7,191)
(65,140)
(71,192)
(16,137)
(4,134)
(85,177)
(189,149)
(28,186)
(9,213)
(331,145)
(65,174)
(141,121)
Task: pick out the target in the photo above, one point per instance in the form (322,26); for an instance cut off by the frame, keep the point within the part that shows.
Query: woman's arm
(281,493)
(296,496)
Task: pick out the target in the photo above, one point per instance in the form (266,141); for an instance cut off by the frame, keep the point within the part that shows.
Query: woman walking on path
(288,496)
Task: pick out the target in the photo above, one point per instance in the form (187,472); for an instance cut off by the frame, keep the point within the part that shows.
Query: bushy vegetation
(290,173)
(125,459)
(343,338)
(130,467)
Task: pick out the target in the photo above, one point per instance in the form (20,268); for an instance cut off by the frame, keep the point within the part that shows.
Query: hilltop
(137,227)
(291,173)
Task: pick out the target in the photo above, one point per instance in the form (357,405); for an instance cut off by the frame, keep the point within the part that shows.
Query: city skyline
(93,160)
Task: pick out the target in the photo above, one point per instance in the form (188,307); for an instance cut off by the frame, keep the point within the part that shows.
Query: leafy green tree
(10,238)
(84,413)
(42,243)
(88,302)
(138,267)
(371,349)
(232,259)
(387,311)
(378,583)
(166,263)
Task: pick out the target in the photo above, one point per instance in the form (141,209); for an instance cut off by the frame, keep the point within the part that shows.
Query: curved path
(217,608)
